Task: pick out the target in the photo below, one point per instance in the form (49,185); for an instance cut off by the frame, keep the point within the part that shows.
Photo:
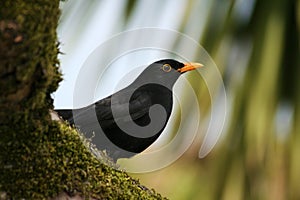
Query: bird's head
(168,65)
(166,72)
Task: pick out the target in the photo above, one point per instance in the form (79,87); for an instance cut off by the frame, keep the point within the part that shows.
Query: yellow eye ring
(167,67)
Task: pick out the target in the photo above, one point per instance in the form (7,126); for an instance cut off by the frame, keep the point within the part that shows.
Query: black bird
(128,122)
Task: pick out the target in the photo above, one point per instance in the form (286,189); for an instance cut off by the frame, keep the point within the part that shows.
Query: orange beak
(189,67)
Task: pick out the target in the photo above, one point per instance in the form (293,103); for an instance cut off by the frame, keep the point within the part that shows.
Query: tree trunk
(41,158)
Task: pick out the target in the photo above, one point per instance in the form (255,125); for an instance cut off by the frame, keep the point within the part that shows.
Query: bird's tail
(66,114)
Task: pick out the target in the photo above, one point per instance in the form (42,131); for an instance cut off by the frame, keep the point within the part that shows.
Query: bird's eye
(166,67)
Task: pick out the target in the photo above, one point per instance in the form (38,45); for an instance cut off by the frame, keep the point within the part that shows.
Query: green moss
(44,165)
(40,158)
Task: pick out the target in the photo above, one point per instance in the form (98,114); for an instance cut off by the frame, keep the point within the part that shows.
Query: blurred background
(254,44)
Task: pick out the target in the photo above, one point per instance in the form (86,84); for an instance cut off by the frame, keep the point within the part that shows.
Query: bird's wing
(110,109)
(121,107)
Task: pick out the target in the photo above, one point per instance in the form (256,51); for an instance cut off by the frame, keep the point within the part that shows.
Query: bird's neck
(167,82)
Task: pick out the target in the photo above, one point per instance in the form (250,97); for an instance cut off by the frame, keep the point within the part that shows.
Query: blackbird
(130,120)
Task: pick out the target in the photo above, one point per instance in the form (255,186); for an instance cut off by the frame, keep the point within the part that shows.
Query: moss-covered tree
(41,158)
